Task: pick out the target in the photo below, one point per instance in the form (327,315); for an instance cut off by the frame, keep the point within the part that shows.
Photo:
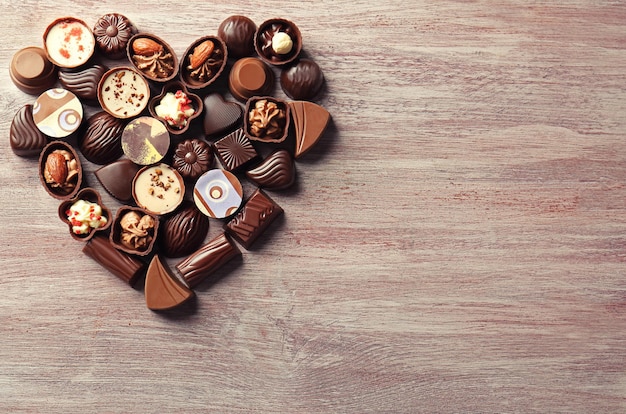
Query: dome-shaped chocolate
(183,232)
(302,81)
(238,34)
(101,143)
(112,32)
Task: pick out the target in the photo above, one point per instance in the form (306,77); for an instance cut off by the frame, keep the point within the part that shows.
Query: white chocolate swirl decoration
(84,216)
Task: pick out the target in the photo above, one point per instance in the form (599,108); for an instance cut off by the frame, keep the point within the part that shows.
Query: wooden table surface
(456,242)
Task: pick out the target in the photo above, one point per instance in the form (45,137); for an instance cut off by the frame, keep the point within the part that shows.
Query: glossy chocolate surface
(163,290)
(58,113)
(266,119)
(117,178)
(112,32)
(123,265)
(69,42)
(250,77)
(238,34)
(153,57)
(83,82)
(220,117)
(264,41)
(134,230)
(25,138)
(303,80)
(145,140)
(203,62)
(183,231)
(31,71)
(206,260)
(254,218)
(123,92)
(276,172)
(309,121)
(192,158)
(65,183)
(101,143)
(235,151)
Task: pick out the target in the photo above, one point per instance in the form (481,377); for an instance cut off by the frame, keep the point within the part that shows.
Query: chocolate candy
(302,81)
(250,77)
(206,260)
(162,289)
(218,193)
(83,82)
(309,121)
(253,219)
(278,41)
(276,172)
(220,117)
(101,143)
(238,34)
(69,42)
(158,189)
(85,214)
(112,32)
(31,71)
(134,230)
(203,62)
(117,179)
(192,158)
(57,113)
(267,119)
(153,57)
(235,151)
(145,140)
(123,92)
(60,170)
(26,139)
(122,265)
(182,232)
(176,107)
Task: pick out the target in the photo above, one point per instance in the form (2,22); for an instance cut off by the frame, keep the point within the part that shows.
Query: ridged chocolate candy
(238,34)
(101,143)
(183,232)
(162,289)
(276,172)
(112,32)
(302,81)
(26,139)
(84,82)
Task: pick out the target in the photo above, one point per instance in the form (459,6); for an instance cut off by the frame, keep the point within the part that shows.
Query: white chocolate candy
(282,43)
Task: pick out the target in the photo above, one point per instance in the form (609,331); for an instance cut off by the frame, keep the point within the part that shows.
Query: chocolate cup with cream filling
(140,235)
(153,57)
(195,102)
(272,50)
(92,196)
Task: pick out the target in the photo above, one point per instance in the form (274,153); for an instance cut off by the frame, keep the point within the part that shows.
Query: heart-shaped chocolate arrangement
(175,162)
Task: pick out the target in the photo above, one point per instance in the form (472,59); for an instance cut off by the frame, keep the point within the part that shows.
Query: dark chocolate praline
(238,34)
(192,158)
(182,232)
(303,80)
(112,32)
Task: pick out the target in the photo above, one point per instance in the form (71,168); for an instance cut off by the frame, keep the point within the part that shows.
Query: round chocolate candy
(26,139)
(101,142)
(192,158)
(31,71)
(112,32)
(238,34)
(218,193)
(57,113)
(302,81)
(69,42)
(83,82)
(158,189)
(278,41)
(250,77)
(182,232)
(145,140)
(123,92)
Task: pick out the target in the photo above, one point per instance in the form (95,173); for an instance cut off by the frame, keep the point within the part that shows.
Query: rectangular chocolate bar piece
(122,265)
(207,259)
(253,219)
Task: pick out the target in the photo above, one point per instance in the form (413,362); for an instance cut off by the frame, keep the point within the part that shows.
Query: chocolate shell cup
(153,57)
(69,42)
(159,189)
(268,48)
(266,133)
(123,92)
(250,77)
(31,71)
(135,233)
(203,62)
(92,196)
(174,87)
(64,182)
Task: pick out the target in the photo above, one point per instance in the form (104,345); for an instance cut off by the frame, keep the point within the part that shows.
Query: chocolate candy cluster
(168,142)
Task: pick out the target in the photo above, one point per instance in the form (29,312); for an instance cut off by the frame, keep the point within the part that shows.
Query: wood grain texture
(456,242)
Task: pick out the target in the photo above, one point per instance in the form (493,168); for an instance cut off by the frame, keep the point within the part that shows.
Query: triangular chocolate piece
(310,121)
(117,178)
(163,290)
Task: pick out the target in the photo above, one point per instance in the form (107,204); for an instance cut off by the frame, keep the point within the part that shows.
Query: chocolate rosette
(112,32)
(192,158)
(153,57)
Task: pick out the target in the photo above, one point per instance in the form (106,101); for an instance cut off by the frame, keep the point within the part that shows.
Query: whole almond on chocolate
(200,54)
(146,47)
(56,168)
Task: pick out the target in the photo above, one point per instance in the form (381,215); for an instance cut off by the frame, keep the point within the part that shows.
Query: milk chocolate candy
(276,172)
(206,260)
(253,219)
(26,139)
(303,80)
(134,230)
(235,151)
(203,62)
(162,289)
(117,178)
(31,71)
(309,121)
(183,231)
(122,265)
(83,82)
(58,113)
(112,32)
(250,77)
(267,119)
(69,42)
(101,143)
(220,117)
(278,41)
(153,57)
(238,34)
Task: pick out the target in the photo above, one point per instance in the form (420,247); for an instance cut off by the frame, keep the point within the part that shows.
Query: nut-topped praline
(278,41)
(203,62)
(153,57)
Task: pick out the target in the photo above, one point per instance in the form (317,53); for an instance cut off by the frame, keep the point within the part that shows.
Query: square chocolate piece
(235,151)
(253,219)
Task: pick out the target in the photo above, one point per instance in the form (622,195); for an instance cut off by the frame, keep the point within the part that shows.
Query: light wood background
(456,242)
